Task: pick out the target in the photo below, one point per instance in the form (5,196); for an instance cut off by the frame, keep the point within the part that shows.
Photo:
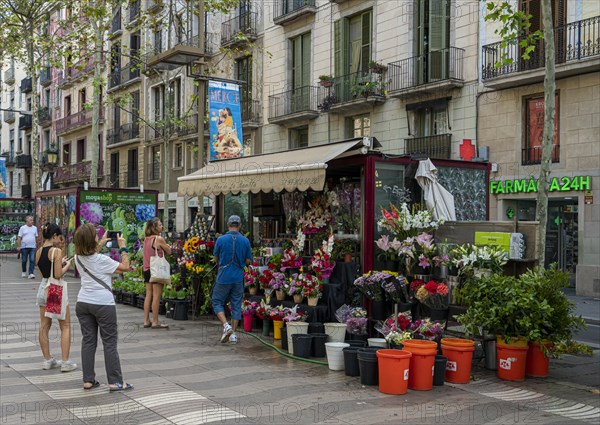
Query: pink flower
(424,262)
(442,289)
(383,243)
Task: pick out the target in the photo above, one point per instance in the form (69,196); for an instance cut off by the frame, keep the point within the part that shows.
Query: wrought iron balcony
(9,76)
(533,155)
(44,116)
(353,93)
(74,172)
(9,117)
(81,68)
(186,126)
(211,43)
(285,11)
(240,29)
(574,43)
(183,52)
(294,105)
(74,121)
(23,161)
(122,134)
(45,76)
(251,116)
(115,27)
(438,146)
(26,85)
(124,75)
(10,160)
(25,122)
(441,69)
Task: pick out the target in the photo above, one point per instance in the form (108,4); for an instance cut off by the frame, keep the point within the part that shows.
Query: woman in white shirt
(96,308)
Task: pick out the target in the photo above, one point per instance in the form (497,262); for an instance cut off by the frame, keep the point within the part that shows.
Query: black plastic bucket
(351,361)
(181,310)
(439,370)
(369,367)
(316,328)
(356,343)
(318,344)
(284,344)
(302,345)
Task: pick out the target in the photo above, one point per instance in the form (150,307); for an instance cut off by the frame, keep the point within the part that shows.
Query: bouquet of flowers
(389,248)
(345,312)
(278,313)
(357,325)
(397,338)
(274,262)
(401,324)
(396,287)
(311,286)
(322,262)
(370,284)
(428,329)
(433,295)
(470,257)
(193,269)
(265,280)
(251,277)
(418,249)
(403,224)
(263,311)
(291,286)
(249,307)
(293,315)
(298,243)
(291,260)
(316,218)
(277,280)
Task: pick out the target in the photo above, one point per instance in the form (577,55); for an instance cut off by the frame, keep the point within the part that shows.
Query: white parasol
(437,199)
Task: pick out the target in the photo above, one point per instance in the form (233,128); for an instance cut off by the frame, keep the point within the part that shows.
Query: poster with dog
(226,140)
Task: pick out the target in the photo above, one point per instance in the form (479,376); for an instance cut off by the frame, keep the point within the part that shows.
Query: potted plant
(312,288)
(325,105)
(366,88)
(326,80)
(251,280)
(344,248)
(434,296)
(377,67)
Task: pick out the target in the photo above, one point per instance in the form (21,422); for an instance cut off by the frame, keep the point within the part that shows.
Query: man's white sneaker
(227,331)
(233,339)
(31,276)
(68,366)
(23,274)
(50,363)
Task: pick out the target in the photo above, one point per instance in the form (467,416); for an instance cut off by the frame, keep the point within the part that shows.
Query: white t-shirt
(28,235)
(102,267)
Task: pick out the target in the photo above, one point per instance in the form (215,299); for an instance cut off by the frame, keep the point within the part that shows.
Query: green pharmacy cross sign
(557,184)
(510,212)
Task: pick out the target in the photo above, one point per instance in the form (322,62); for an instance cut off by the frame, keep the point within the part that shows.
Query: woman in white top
(96,308)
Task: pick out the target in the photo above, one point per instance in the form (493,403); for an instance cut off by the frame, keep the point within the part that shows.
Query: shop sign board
(3,181)
(557,184)
(225,121)
(588,198)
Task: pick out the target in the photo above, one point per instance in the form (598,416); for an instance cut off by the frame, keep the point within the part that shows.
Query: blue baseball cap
(234,221)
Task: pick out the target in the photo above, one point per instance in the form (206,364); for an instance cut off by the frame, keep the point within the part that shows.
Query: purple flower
(91,212)
(424,262)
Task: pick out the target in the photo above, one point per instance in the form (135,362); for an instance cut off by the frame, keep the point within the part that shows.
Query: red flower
(431,287)
(416,284)
(442,289)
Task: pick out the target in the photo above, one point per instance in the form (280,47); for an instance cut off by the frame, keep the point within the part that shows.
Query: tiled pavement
(185,376)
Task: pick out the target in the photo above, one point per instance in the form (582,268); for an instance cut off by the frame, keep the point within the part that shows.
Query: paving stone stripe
(76,375)
(205,416)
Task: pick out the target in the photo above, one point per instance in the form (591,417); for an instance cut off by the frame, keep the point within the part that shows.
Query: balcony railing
(349,87)
(9,117)
(44,116)
(45,76)
(242,25)
(301,102)
(438,146)
(434,67)
(9,76)
(573,42)
(26,85)
(134,10)
(122,134)
(533,155)
(23,161)
(251,113)
(74,172)
(211,43)
(124,75)
(25,122)
(10,159)
(187,126)
(116,22)
(285,11)
(82,67)
(71,122)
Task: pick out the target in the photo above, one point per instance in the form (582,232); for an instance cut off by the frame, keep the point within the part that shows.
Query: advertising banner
(535,111)
(3,182)
(226,140)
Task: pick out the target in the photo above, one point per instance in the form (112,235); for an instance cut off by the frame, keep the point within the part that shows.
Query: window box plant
(326,80)
(327,102)
(377,67)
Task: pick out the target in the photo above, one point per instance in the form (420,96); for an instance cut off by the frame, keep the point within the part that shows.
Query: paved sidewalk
(185,376)
(587,307)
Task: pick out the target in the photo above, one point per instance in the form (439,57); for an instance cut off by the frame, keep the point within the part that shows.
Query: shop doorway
(561,231)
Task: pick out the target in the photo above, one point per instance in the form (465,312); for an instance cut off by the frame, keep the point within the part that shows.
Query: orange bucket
(537,362)
(393,371)
(511,362)
(460,356)
(422,363)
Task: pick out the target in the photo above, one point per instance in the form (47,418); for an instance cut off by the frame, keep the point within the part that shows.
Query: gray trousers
(93,317)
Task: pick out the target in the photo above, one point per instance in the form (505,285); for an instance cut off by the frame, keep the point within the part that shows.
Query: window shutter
(366,41)
(439,31)
(306,60)
(337,53)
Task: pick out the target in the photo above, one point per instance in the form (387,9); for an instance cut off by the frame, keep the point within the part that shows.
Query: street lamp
(52,156)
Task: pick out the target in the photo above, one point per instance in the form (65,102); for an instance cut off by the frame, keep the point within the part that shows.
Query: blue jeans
(232,291)
(25,254)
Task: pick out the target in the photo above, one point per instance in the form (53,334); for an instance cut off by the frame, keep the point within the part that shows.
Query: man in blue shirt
(232,254)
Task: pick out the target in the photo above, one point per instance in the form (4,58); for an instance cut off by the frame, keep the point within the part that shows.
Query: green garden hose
(283,353)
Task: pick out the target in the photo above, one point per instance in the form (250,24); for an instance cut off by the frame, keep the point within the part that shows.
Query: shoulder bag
(56,295)
(81,267)
(160,269)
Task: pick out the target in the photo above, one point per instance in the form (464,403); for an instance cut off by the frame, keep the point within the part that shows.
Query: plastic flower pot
(284,340)
(459,352)
(313,301)
(181,310)
(292,329)
(280,295)
(422,363)
(368,366)
(512,358)
(538,362)
(351,361)
(393,369)
(318,345)
(336,331)
(377,342)
(439,370)
(302,345)
(357,343)
(266,328)
(277,325)
(358,337)
(252,290)
(248,317)
(298,299)
(335,355)
(316,328)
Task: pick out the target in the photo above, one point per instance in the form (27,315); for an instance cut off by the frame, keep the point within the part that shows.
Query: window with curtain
(243,72)
(352,44)
(300,73)
(358,126)
(432,40)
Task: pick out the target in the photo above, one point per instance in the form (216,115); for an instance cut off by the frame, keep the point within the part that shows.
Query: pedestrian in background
(26,245)
(96,308)
(153,241)
(232,254)
(48,256)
